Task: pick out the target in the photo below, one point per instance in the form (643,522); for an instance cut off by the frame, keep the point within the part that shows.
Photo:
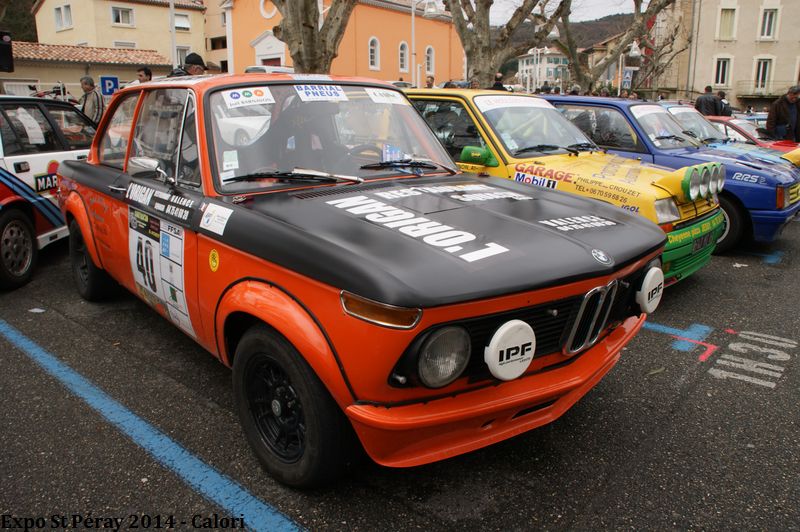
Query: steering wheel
(365,148)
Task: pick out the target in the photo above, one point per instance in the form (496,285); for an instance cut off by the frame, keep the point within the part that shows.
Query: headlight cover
(720,177)
(443,356)
(705,182)
(667,211)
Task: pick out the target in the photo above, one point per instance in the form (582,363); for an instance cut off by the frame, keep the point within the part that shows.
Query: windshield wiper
(709,140)
(407,163)
(583,146)
(538,147)
(670,137)
(690,133)
(298,174)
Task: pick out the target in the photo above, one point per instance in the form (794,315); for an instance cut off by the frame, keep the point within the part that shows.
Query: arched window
(430,60)
(374,54)
(402,57)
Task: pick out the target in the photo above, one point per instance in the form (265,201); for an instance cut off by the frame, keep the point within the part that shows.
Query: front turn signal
(380,313)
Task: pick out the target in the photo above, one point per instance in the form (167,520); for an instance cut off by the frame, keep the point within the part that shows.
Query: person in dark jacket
(498,82)
(725,108)
(91,103)
(708,104)
(193,65)
(782,120)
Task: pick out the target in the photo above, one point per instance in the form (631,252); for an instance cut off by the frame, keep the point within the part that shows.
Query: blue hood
(748,152)
(769,172)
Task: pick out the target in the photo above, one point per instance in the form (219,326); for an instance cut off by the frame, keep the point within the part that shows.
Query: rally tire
(295,428)
(734,225)
(93,283)
(18,252)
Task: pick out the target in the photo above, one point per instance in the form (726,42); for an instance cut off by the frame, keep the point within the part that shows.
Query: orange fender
(73,207)
(289,318)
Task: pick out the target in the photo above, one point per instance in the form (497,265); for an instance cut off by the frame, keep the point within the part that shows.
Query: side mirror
(148,168)
(478,156)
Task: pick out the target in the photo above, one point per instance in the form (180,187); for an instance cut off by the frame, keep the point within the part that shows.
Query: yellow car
(526,139)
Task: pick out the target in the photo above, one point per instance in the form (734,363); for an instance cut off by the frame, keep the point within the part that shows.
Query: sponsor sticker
(309,77)
(487,103)
(230,160)
(213,260)
(643,110)
(321,93)
(386,96)
(248,96)
(510,351)
(575,223)
(215,218)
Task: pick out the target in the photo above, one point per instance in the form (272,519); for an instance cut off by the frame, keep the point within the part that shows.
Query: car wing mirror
(148,168)
(478,156)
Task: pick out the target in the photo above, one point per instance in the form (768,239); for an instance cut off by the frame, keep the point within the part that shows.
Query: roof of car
(465,93)
(32,99)
(207,82)
(619,102)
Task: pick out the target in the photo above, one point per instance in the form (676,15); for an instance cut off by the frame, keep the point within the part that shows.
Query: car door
(161,206)
(608,128)
(33,148)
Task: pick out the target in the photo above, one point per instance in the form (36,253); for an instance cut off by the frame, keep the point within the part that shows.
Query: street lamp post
(429,10)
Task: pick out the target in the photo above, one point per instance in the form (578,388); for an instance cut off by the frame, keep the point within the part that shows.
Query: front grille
(794,193)
(578,322)
(694,209)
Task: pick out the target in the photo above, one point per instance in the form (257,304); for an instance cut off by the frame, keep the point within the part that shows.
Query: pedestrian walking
(782,120)
(91,103)
(707,103)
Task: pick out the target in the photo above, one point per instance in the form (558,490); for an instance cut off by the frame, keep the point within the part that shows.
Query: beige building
(134,24)
(748,48)
(216,35)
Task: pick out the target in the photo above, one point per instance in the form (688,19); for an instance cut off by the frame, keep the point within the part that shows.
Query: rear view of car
(37,136)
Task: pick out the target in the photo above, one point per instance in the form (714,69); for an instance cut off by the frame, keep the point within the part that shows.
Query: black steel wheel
(18,251)
(295,428)
(734,225)
(93,283)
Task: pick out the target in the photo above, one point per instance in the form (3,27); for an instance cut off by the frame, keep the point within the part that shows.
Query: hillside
(588,32)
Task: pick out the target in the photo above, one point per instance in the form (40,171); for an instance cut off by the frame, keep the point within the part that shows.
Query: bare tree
(487,50)
(312,45)
(3,6)
(583,74)
(664,45)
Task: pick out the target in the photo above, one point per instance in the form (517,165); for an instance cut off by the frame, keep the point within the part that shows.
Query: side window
(114,143)
(452,125)
(157,131)
(735,135)
(607,127)
(189,155)
(77,130)
(32,132)
(11,145)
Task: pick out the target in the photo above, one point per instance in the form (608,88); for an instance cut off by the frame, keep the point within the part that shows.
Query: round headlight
(443,356)
(694,184)
(712,186)
(705,182)
(720,177)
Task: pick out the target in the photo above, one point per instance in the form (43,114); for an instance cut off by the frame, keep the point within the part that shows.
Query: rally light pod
(652,288)
(510,351)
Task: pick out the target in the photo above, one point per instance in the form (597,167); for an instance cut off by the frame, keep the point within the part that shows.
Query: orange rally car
(312,234)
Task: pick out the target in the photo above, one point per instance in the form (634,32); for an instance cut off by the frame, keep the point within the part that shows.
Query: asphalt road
(699,434)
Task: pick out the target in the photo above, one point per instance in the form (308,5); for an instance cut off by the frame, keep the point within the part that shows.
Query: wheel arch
(20,204)
(746,218)
(74,208)
(248,302)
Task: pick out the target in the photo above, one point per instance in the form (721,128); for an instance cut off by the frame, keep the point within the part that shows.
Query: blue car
(761,195)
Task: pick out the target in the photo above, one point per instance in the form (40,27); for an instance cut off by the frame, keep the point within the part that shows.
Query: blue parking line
(768,258)
(203,478)
(695,332)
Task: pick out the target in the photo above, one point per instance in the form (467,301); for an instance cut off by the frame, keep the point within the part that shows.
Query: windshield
(693,121)
(751,129)
(661,127)
(264,129)
(528,122)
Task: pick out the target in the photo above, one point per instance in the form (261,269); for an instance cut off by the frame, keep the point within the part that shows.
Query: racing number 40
(144,262)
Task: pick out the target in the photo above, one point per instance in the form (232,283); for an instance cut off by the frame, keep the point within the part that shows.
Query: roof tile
(34,51)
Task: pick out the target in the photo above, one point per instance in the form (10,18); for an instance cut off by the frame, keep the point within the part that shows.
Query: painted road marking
(203,478)
(768,258)
(686,339)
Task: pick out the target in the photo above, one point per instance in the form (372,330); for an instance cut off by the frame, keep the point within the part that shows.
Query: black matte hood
(423,242)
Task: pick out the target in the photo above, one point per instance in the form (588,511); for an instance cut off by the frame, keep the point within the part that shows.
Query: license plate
(702,242)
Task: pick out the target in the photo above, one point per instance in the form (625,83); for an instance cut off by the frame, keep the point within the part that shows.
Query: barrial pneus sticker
(510,351)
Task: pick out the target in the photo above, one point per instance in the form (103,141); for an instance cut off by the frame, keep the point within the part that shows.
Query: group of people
(711,104)
(92,103)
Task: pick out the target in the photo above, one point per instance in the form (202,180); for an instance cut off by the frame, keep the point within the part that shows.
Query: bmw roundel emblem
(602,257)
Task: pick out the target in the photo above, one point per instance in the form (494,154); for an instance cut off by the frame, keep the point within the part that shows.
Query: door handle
(82,157)
(115,188)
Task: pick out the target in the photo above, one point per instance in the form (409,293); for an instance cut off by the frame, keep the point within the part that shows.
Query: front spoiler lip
(412,435)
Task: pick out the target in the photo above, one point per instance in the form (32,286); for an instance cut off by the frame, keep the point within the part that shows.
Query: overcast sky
(581,9)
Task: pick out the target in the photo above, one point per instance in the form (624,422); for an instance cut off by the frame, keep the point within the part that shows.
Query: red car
(742,130)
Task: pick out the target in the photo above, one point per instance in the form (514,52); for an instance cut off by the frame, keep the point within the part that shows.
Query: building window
(182,22)
(63,17)
(430,61)
(182,52)
(721,72)
(769,19)
(124,44)
(224,18)
(403,57)
(763,73)
(218,43)
(223,66)
(374,54)
(122,16)
(727,24)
